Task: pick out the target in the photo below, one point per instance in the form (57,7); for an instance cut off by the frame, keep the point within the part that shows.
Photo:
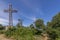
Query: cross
(10,10)
(20,22)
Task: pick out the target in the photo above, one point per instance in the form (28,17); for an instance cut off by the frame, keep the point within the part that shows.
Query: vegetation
(39,23)
(28,33)
(20,33)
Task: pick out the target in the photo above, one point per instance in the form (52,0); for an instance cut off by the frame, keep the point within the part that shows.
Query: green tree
(53,33)
(37,26)
(39,23)
(55,22)
(53,27)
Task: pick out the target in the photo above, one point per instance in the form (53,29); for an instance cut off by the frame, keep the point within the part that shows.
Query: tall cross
(10,10)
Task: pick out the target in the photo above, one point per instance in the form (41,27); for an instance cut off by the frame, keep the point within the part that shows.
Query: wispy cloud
(32,18)
(3,21)
(34,8)
(3,16)
(6,22)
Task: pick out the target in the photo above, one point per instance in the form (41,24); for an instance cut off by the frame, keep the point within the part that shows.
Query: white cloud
(3,21)
(34,18)
(3,16)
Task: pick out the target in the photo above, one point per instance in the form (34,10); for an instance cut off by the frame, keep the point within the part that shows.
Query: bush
(2,31)
(20,33)
(10,32)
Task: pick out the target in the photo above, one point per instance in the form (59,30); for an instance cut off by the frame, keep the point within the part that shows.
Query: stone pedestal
(6,28)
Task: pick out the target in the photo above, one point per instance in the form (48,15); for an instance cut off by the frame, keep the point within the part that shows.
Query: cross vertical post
(10,10)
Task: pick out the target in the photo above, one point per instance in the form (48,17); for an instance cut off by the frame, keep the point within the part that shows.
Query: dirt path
(2,37)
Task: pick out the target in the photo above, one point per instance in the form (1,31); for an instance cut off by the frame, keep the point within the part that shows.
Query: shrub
(2,31)
(20,34)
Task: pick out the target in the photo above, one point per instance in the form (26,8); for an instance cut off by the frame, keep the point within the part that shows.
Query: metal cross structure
(20,22)
(10,10)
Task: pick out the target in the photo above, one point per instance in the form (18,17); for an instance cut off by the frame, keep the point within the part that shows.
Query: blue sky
(29,10)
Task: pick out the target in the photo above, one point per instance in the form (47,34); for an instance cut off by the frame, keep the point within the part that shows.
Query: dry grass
(3,37)
(38,37)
